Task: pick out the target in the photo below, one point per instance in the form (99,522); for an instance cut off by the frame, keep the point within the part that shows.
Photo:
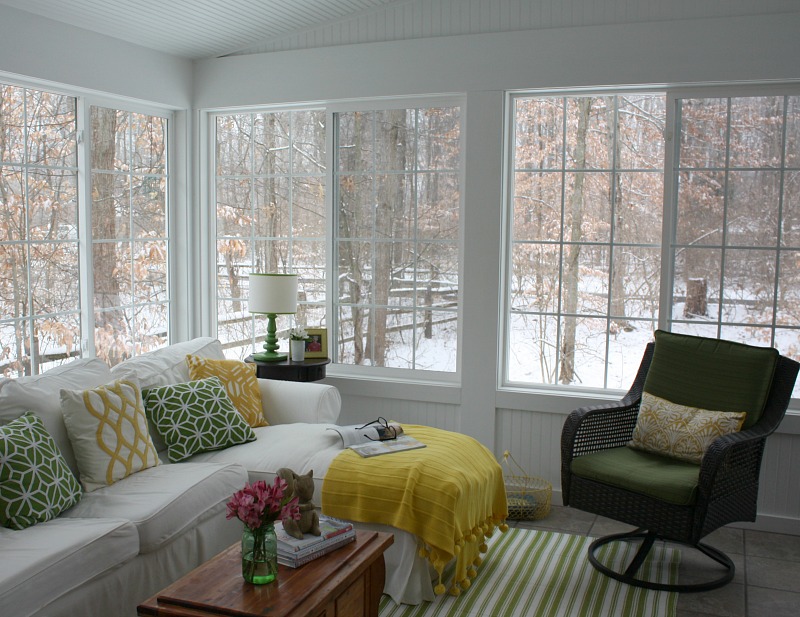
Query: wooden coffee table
(347,582)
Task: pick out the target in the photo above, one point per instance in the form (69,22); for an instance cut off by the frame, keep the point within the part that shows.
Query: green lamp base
(270,353)
(269,357)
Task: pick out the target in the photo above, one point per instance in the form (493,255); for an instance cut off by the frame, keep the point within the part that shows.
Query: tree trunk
(696,298)
(104,254)
(390,202)
(572,265)
(617,263)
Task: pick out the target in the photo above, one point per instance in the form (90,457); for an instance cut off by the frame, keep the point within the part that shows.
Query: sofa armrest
(284,402)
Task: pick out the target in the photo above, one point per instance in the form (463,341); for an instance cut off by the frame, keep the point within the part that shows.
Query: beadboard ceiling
(198,29)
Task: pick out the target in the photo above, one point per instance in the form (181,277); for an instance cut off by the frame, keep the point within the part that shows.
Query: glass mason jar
(260,554)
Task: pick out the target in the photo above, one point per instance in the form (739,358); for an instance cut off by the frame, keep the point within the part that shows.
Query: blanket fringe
(476,537)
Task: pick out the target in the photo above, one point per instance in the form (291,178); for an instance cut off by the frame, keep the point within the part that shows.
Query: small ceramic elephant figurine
(303,487)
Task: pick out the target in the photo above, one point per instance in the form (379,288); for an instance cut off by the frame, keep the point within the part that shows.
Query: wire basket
(528,496)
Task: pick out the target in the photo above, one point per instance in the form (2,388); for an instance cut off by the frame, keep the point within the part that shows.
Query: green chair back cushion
(656,476)
(711,374)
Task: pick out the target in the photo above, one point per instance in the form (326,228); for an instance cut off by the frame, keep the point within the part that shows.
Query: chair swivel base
(648,538)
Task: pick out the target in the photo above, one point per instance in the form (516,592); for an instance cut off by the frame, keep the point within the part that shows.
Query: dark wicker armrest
(599,427)
(590,429)
(732,462)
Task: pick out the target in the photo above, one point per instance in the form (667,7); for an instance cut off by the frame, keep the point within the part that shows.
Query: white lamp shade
(272,293)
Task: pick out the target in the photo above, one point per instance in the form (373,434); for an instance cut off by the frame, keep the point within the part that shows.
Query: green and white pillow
(36,484)
(195,416)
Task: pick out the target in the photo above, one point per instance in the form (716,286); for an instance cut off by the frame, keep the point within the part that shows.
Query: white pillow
(108,430)
(41,394)
(167,366)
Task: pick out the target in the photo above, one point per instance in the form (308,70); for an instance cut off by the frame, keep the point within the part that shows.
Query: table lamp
(272,295)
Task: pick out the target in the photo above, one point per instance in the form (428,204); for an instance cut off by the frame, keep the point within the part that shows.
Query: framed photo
(317,343)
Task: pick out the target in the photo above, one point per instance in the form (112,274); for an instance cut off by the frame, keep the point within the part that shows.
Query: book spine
(288,544)
(295,561)
(318,546)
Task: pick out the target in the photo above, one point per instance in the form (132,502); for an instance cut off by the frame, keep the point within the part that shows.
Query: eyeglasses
(385,431)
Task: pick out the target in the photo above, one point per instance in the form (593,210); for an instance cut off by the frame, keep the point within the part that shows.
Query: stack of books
(293,552)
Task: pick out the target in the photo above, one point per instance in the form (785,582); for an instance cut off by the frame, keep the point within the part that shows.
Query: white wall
(482,67)
(42,49)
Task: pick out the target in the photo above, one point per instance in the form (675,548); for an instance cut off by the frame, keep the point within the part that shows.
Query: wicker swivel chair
(665,498)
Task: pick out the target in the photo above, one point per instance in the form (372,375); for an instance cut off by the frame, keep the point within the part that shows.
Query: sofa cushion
(657,476)
(163,502)
(195,416)
(41,394)
(36,484)
(239,380)
(42,563)
(711,374)
(300,447)
(108,430)
(167,365)
(678,431)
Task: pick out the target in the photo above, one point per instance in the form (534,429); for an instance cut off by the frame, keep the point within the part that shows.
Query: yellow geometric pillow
(680,432)
(239,380)
(107,428)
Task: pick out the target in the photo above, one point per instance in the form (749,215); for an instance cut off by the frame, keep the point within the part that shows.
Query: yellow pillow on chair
(678,431)
(239,380)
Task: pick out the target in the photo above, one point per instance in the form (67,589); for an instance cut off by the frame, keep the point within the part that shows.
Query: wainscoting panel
(356,408)
(534,440)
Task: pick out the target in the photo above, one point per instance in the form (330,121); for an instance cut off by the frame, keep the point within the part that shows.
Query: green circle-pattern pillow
(195,416)
(36,484)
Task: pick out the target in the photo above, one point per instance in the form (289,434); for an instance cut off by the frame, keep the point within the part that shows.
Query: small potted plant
(297,343)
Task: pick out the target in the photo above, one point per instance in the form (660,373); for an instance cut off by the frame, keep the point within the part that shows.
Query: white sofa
(124,542)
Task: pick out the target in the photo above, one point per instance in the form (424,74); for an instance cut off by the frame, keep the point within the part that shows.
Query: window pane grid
(40,323)
(130,247)
(398,202)
(737,282)
(578,235)
(270,205)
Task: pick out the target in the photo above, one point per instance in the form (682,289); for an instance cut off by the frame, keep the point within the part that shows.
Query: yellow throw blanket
(449,494)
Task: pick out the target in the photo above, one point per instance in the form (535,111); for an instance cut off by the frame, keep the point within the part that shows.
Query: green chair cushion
(648,474)
(711,374)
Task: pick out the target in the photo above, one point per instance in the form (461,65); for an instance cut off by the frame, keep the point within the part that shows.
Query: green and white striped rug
(529,573)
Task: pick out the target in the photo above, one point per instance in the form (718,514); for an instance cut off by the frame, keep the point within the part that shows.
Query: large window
(270,217)
(60,255)
(584,280)
(129,233)
(736,249)
(397,237)
(395,229)
(40,323)
(593,222)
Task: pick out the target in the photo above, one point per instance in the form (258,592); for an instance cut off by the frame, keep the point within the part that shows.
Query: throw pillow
(680,432)
(195,416)
(36,484)
(239,380)
(108,430)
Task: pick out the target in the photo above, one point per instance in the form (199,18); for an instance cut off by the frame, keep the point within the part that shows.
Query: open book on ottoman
(377,437)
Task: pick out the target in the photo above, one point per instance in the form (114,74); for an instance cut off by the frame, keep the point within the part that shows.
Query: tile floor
(767,580)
